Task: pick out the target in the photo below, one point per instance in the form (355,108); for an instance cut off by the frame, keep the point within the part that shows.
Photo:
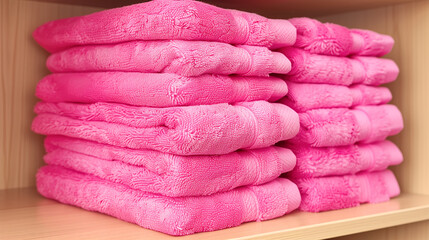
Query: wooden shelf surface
(269,8)
(24,214)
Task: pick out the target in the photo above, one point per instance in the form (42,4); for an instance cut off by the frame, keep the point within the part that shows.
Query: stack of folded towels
(341,148)
(165,114)
(162,114)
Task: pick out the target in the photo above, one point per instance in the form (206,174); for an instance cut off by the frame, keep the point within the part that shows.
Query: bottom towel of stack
(175,216)
(337,192)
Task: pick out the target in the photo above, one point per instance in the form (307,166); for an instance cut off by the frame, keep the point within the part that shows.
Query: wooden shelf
(24,214)
(269,8)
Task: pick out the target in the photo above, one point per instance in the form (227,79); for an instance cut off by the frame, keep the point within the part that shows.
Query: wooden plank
(22,64)
(415,231)
(26,215)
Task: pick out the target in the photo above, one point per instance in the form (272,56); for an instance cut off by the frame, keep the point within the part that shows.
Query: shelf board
(269,8)
(24,214)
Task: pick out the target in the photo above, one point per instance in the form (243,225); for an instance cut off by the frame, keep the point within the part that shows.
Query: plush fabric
(175,216)
(336,40)
(186,58)
(344,160)
(342,126)
(306,96)
(166,19)
(167,174)
(157,89)
(314,68)
(193,130)
(331,193)
(370,43)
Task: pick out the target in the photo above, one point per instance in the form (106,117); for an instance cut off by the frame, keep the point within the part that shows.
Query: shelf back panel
(22,65)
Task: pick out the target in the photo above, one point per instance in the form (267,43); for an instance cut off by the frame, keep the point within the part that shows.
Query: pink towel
(313,68)
(342,126)
(333,39)
(306,96)
(166,19)
(186,58)
(166,174)
(331,161)
(175,216)
(193,130)
(157,89)
(331,193)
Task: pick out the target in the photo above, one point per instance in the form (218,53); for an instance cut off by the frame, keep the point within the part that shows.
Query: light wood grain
(269,8)
(26,215)
(413,231)
(22,64)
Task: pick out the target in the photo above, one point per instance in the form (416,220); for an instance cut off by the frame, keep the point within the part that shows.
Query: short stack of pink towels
(341,148)
(163,114)
(175,115)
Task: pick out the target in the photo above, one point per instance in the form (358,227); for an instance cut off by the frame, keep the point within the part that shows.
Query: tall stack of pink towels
(183,117)
(163,114)
(341,148)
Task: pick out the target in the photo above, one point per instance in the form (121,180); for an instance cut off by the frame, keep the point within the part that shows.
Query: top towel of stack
(166,20)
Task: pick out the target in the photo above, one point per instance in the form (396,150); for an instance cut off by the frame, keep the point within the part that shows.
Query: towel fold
(335,161)
(186,58)
(175,216)
(166,174)
(166,19)
(331,193)
(336,40)
(314,68)
(157,89)
(342,126)
(193,130)
(306,96)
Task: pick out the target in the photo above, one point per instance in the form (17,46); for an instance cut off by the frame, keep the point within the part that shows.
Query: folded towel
(331,193)
(330,161)
(166,174)
(166,19)
(306,96)
(186,58)
(342,126)
(193,130)
(157,89)
(175,216)
(313,68)
(333,39)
